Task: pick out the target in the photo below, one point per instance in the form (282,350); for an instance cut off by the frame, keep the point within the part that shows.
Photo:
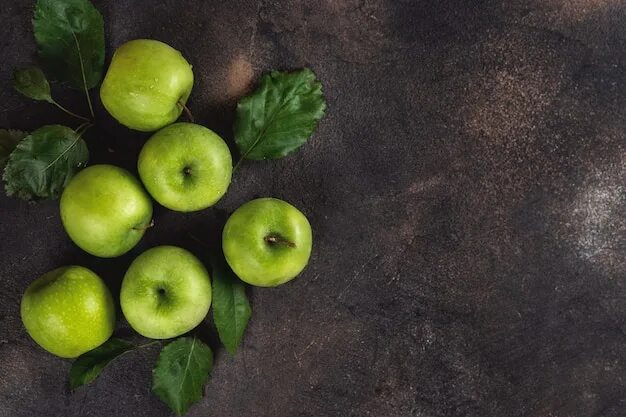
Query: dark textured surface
(466,189)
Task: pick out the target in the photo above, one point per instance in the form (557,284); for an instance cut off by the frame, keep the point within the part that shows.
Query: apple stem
(187,111)
(146,227)
(279,240)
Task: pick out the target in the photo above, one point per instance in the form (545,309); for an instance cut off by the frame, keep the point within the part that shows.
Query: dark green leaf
(70,37)
(32,82)
(44,161)
(180,373)
(280,115)
(89,365)
(231,309)
(8,141)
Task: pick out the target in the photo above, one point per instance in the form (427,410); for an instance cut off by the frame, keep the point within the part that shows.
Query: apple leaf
(70,40)
(280,115)
(8,141)
(44,161)
(231,309)
(32,82)
(89,365)
(180,373)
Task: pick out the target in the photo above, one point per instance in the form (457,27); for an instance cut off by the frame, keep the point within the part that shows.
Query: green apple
(105,210)
(267,242)
(146,85)
(166,292)
(185,167)
(68,311)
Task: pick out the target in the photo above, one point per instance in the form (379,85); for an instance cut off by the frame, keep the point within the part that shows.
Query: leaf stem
(237,164)
(187,111)
(80,127)
(69,112)
(133,348)
(197,239)
(82,71)
(83,128)
(145,345)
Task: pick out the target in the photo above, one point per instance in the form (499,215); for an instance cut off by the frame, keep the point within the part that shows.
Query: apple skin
(166,292)
(68,311)
(105,210)
(250,247)
(144,84)
(185,167)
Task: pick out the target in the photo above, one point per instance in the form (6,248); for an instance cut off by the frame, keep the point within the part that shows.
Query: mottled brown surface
(466,189)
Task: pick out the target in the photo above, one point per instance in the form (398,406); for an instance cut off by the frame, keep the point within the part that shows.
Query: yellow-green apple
(147,84)
(267,242)
(68,311)
(185,167)
(166,292)
(105,210)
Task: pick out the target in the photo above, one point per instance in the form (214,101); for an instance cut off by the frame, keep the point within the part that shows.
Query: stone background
(466,189)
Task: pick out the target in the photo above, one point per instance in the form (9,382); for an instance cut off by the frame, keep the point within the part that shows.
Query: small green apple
(105,210)
(166,292)
(267,242)
(185,167)
(68,311)
(146,85)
